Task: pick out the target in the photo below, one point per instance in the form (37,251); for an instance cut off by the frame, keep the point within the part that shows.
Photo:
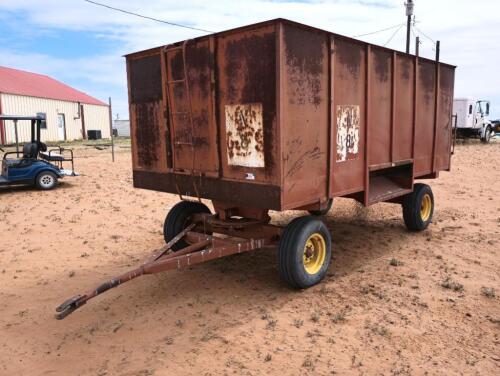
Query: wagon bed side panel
(424,127)
(147,120)
(247,111)
(444,120)
(347,172)
(380,108)
(188,86)
(403,114)
(304,116)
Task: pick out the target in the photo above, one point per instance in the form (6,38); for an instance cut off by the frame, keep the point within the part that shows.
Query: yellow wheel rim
(426,207)
(314,253)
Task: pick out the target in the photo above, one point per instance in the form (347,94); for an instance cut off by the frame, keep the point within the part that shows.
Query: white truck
(472,118)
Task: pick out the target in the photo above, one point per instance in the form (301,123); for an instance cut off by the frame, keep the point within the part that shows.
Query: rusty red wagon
(280,116)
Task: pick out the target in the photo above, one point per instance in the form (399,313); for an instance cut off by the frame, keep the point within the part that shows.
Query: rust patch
(427,78)
(198,66)
(304,61)
(382,62)
(248,75)
(147,134)
(245,135)
(347,132)
(405,67)
(145,79)
(349,55)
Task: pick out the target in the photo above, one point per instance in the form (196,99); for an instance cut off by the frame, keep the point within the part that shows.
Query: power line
(421,32)
(378,31)
(393,35)
(147,17)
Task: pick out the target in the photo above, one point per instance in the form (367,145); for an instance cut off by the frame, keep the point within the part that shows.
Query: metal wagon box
(279,115)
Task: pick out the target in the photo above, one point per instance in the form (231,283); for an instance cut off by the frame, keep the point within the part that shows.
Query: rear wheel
(178,218)
(418,207)
(304,252)
(322,211)
(46,180)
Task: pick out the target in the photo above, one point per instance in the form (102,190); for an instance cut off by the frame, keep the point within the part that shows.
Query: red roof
(14,81)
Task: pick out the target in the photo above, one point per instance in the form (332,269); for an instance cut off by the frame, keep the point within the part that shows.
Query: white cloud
(467,32)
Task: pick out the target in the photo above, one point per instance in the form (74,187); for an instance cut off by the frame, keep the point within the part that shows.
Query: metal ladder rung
(176,81)
(184,143)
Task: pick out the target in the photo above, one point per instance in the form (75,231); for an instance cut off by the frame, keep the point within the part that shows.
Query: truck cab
(472,118)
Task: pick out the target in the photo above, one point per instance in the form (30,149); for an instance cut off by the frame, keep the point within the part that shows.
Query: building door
(61,127)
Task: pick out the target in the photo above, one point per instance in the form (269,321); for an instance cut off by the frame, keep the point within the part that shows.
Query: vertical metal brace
(331,115)
(169,107)
(367,125)
(415,100)
(393,104)
(188,93)
(436,108)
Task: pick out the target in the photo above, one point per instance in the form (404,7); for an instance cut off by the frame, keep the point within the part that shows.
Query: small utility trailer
(280,116)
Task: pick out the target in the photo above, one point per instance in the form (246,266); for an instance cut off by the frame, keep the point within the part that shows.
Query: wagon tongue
(70,305)
(202,248)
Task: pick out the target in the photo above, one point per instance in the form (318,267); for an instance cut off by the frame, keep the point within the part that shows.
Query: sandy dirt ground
(393,303)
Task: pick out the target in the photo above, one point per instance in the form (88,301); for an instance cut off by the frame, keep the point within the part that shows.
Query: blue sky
(82,44)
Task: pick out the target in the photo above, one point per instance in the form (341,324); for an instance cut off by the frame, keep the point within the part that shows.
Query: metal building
(69,113)
(122,127)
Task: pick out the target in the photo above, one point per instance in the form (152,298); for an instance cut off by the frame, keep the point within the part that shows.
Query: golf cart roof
(15,117)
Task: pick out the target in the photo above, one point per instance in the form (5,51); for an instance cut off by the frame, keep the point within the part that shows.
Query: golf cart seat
(52,157)
(30,150)
(57,154)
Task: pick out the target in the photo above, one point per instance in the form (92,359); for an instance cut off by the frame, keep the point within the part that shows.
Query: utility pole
(409,14)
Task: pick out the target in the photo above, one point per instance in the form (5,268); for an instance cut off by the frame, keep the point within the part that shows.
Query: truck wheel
(304,252)
(487,135)
(46,180)
(418,207)
(323,211)
(178,218)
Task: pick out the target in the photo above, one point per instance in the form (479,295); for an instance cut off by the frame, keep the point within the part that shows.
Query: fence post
(111,131)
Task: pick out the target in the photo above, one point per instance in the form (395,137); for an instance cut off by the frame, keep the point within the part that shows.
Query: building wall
(122,127)
(96,117)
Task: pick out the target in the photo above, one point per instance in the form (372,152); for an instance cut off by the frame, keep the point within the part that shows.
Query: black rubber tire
(487,136)
(412,204)
(178,218)
(325,211)
(43,178)
(291,250)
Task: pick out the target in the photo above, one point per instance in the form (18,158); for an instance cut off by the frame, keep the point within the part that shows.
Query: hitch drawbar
(201,248)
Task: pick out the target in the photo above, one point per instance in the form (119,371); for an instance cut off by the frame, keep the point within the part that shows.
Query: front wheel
(487,135)
(46,180)
(304,252)
(178,218)
(418,207)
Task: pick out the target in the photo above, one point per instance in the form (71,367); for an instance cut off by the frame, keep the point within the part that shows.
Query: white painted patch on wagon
(245,135)
(347,132)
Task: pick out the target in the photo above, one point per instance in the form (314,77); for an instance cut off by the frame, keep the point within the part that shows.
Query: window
(470,109)
(43,124)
